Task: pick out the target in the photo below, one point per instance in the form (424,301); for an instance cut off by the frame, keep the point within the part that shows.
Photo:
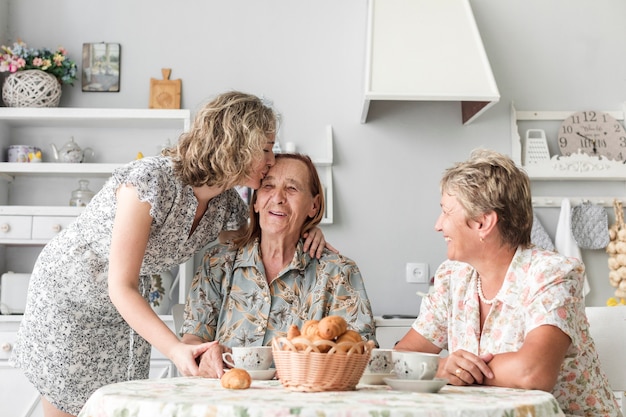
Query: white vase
(160,288)
(31,88)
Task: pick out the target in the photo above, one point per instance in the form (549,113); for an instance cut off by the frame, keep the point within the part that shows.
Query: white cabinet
(390,331)
(18,398)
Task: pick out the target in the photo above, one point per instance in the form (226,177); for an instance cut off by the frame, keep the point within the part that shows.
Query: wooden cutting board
(165,93)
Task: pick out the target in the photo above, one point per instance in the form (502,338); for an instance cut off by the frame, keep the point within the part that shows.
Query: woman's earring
(482,240)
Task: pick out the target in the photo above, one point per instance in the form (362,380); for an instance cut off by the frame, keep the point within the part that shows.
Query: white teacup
(253,358)
(415,365)
(380,362)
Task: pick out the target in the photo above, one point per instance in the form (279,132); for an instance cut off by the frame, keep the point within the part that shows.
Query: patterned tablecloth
(199,397)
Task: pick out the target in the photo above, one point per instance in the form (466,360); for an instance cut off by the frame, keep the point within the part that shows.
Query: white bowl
(374,379)
(263,374)
(416,385)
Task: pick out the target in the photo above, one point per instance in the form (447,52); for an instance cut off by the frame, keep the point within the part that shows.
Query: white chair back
(607,326)
(178,311)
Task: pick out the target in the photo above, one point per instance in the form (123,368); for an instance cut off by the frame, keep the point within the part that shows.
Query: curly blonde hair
(228,134)
(490,181)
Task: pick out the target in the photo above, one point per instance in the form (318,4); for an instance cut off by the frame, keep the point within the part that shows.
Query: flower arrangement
(19,58)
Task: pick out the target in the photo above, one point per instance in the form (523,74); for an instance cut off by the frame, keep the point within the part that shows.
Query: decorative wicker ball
(31,88)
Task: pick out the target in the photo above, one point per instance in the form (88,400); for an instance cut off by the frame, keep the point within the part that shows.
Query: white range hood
(427,50)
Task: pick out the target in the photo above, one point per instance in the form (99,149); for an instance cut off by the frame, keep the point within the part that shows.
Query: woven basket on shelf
(310,370)
(31,88)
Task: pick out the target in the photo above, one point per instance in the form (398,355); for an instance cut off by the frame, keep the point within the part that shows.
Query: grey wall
(308,57)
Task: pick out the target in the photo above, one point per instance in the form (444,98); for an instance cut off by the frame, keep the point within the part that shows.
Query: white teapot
(71,152)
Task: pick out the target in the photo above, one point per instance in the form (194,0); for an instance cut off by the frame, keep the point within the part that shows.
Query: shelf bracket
(7,177)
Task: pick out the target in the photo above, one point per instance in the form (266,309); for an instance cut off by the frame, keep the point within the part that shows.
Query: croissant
(309,329)
(293,331)
(331,327)
(236,378)
(347,340)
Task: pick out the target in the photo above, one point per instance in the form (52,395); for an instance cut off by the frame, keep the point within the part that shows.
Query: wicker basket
(31,88)
(310,370)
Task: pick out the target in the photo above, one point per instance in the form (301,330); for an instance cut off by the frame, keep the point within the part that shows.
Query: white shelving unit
(325,171)
(41,190)
(34,201)
(576,167)
(36,195)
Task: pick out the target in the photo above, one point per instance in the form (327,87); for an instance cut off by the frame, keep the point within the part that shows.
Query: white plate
(263,374)
(374,379)
(416,385)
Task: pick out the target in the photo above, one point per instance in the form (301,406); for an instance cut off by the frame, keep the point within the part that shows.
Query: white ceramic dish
(416,385)
(264,374)
(375,379)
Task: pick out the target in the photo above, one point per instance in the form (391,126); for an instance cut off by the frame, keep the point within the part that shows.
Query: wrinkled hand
(314,243)
(184,357)
(465,368)
(211,364)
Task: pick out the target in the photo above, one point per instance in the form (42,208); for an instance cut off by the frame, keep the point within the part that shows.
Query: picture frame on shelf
(101,67)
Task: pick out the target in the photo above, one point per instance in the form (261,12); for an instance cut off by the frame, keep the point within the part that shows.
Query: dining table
(204,397)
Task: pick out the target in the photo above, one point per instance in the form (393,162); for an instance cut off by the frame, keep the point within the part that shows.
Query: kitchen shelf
(93,118)
(578,166)
(13,169)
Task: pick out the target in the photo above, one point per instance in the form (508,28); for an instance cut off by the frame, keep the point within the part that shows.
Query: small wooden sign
(165,93)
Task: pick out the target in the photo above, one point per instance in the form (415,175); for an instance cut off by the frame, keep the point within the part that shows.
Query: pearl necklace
(481,296)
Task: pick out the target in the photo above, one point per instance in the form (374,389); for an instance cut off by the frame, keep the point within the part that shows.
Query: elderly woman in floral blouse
(247,293)
(509,313)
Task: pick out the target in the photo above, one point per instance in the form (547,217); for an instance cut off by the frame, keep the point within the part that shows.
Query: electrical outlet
(417,273)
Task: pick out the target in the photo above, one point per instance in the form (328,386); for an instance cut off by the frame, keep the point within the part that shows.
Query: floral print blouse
(231,301)
(540,288)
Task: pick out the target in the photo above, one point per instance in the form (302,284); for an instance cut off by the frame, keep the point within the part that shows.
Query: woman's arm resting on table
(536,365)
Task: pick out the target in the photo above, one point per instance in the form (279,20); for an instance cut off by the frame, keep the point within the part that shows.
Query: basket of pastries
(323,355)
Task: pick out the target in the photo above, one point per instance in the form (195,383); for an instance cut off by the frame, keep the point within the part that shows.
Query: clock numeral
(562,142)
(590,116)
(617,128)
(567,129)
(622,141)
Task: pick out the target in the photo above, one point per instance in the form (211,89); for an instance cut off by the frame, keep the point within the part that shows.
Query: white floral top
(540,288)
(72,340)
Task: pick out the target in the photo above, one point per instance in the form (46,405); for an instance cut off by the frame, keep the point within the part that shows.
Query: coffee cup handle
(227,357)
(424,370)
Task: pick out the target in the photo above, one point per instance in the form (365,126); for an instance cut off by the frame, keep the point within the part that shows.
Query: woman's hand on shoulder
(314,243)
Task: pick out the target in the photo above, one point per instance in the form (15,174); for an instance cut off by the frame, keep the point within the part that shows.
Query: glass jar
(81,196)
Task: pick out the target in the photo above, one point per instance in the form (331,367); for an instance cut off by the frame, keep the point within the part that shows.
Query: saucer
(416,385)
(263,374)
(375,379)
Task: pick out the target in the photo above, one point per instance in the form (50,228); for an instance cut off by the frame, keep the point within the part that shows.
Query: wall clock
(594,133)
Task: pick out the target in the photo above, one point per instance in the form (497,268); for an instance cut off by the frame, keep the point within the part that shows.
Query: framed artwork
(101,67)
